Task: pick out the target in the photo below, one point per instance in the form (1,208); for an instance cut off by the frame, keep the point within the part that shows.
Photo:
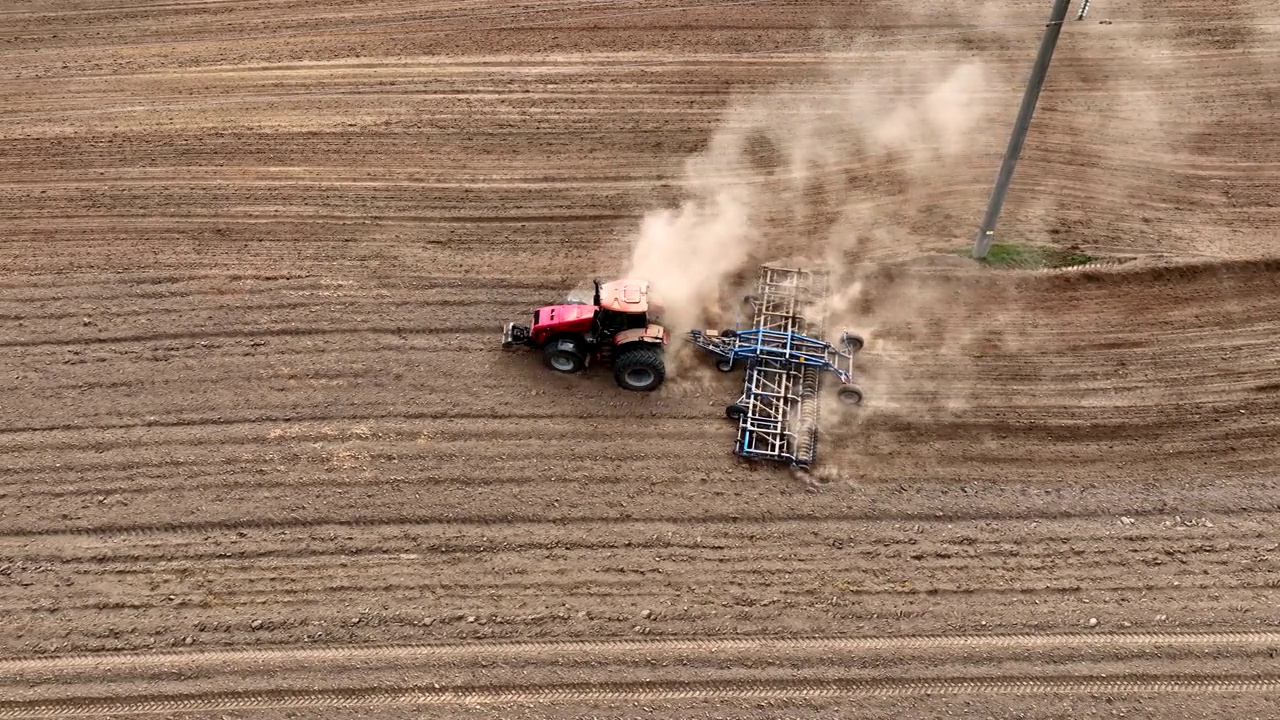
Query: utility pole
(986,234)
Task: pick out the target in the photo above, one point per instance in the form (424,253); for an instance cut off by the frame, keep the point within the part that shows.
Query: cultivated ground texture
(262,454)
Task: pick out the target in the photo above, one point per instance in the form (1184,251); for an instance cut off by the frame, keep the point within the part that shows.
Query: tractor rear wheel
(566,356)
(639,368)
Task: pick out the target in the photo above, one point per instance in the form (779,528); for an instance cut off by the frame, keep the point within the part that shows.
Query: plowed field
(261,454)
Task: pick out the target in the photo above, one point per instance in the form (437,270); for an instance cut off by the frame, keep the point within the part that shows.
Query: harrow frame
(777,412)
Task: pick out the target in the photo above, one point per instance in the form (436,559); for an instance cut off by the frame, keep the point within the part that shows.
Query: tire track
(135,286)
(408,219)
(609,475)
(252,334)
(320,303)
(635,691)
(267,200)
(569,648)
(442,414)
(400,542)
(250,439)
(200,531)
(303,599)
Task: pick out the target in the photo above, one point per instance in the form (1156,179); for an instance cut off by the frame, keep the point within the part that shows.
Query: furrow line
(441,414)
(201,530)
(635,691)
(569,648)
(264,333)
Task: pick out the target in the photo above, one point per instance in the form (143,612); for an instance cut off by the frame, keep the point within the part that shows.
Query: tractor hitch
(513,334)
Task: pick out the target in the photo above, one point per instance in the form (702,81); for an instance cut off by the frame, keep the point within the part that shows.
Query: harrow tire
(735,412)
(724,366)
(640,368)
(565,356)
(850,395)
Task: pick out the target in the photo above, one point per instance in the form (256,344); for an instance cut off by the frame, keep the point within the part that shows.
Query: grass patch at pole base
(1033,257)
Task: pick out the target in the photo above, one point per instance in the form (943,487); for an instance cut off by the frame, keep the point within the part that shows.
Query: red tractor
(614,329)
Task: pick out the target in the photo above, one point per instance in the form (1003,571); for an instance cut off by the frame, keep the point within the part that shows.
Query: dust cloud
(815,176)
(886,158)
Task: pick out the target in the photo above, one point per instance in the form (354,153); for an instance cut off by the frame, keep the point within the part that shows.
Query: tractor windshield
(615,322)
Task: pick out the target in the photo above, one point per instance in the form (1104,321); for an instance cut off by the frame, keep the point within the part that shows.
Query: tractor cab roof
(628,295)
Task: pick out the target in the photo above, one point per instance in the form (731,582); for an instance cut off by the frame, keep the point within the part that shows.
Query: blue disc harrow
(785,359)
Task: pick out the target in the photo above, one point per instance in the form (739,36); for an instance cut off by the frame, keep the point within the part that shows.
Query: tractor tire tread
(645,356)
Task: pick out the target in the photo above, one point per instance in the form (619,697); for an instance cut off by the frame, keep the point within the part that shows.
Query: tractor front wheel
(639,368)
(566,356)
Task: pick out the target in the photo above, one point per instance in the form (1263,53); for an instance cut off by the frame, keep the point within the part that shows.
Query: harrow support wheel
(735,412)
(852,342)
(850,395)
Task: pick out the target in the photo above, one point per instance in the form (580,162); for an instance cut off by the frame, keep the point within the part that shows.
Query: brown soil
(254,261)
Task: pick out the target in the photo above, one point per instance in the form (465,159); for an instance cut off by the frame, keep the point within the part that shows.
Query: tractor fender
(557,337)
(651,334)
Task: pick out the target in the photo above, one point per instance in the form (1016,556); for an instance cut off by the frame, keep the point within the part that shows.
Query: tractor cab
(623,296)
(620,305)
